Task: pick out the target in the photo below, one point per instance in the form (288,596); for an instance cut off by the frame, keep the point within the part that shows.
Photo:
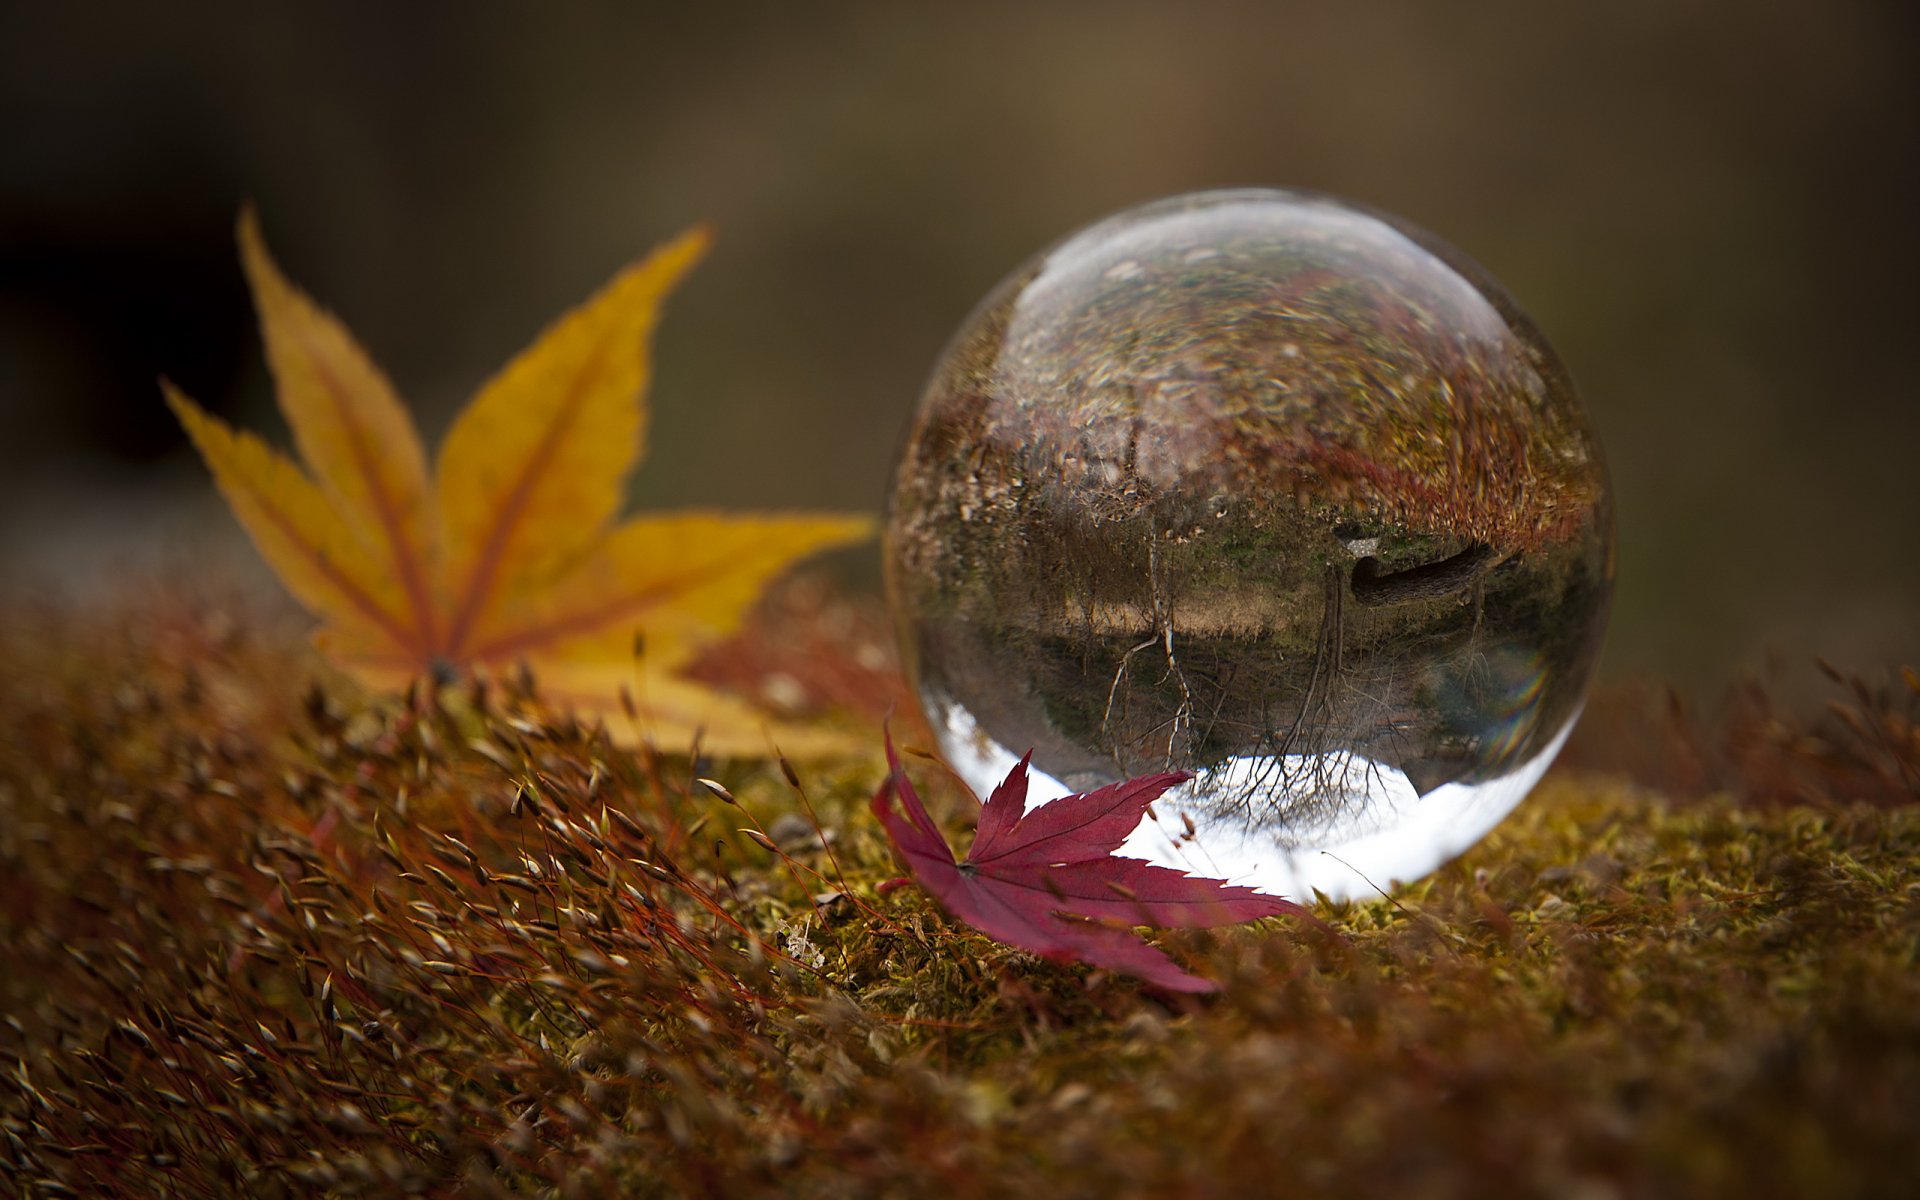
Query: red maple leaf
(1048,881)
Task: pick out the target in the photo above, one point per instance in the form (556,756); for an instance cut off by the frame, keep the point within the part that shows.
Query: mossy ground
(269,937)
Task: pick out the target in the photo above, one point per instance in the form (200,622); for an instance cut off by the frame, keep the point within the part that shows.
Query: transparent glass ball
(1269,488)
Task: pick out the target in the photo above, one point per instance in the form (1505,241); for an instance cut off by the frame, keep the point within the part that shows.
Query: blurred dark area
(1708,207)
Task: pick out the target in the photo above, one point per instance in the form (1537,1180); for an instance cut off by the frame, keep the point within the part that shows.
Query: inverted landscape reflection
(1272,489)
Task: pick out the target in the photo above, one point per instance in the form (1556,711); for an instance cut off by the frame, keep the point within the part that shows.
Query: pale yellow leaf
(297,531)
(670,713)
(371,659)
(678,580)
(350,427)
(535,468)
(506,559)
(674,713)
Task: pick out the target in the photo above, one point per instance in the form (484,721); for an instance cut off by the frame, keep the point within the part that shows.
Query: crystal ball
(1273,489)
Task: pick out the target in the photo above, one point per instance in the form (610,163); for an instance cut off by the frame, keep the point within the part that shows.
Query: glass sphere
(1269,488)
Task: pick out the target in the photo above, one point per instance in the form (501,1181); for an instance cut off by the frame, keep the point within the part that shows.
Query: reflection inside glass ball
(1266,487)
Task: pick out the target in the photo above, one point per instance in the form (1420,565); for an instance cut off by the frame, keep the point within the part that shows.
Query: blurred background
(1709,208)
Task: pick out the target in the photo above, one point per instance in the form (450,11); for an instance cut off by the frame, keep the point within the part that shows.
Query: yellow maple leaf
(508,553)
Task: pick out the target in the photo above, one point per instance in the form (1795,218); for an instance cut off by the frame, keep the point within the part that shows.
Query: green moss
(269,942)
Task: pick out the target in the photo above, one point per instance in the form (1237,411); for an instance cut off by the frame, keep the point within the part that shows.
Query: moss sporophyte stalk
(523,960)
